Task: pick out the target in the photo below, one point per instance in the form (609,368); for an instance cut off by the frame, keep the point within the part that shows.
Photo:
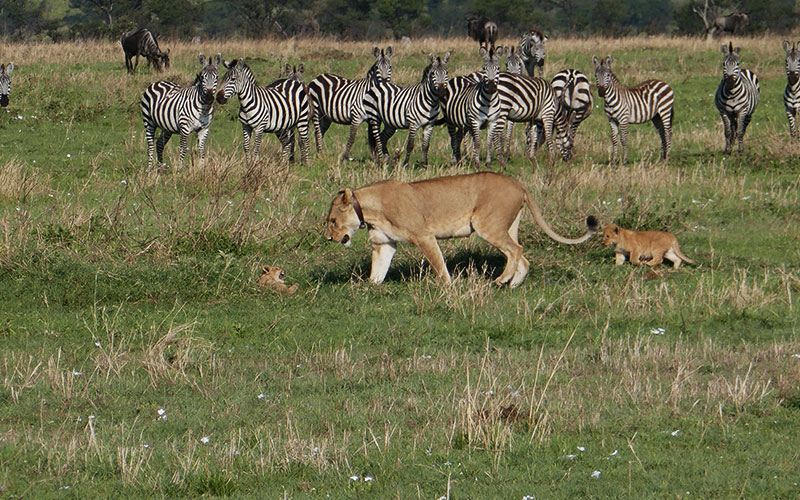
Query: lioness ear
(347,196)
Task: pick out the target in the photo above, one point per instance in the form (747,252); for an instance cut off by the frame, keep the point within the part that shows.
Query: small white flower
(529,497)
(65,487)
(658,331)
(124,182)
(76,373)
(230,202)
(368,479)
(20,117)
(91,417)
(262,396)
(205,439)
(69,155)
(571,457)
(746,197)
(581,448)
(596,474)
(162,412)
(676,432)
(97,344)
(428,452)
(19,209)
(145,446)
(354,478)
(619,200)
(796,356)
(614,453)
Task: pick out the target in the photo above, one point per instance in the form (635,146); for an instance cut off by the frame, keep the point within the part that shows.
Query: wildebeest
(141,42)
(732,23)
(482,30)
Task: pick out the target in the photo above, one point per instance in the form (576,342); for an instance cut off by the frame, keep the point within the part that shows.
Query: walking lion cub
(644,247)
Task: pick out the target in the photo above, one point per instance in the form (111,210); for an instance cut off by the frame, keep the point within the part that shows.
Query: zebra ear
(228,64)
(446,58)
(202,59)
(786,46)
(431,57)
(301,68)
(736,50)
(544,38)
(376,52)
(388,52)
(608,61)
(217,59)
(499,51)
(724,49)
(483,52)
(287,70)
(595,61)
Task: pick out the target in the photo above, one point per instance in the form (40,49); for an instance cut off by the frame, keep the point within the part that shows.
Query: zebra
(575,103)
(514,62)
(5,83)
(415,107)
(529,100)
(473,104)
(649,101)
(791,96)
(179,110)
(736,97)
(339,100)
(532,51)
(278,108)
(141,42)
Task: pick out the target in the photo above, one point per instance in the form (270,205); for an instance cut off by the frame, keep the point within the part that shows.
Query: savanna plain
(140,358)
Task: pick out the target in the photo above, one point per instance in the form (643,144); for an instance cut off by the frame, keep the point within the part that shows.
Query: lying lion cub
(644,247)
(486,203)
(272,277)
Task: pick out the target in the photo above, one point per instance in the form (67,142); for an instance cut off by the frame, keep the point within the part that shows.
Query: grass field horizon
(140,357)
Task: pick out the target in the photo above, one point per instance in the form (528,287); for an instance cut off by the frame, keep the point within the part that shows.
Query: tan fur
(486,203)
(644,247)
(272,278)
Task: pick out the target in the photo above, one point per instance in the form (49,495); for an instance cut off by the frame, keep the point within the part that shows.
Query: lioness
(272,277)
(644,247)
(421,212)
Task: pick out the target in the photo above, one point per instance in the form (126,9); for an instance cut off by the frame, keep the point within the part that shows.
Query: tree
(105,7)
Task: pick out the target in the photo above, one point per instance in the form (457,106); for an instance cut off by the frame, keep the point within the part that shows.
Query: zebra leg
(320,127)
(614,140)
(202,135)
(386,134)
(355,121)
(547,130)
(247,132)
(184,148)
(456,136)
(623,141)
(531,138)
(744,121)
(427,132)
(302,132)
(726,123)
(149,135)
(475,134)
(494,140)
(412,134)
(258,134)
(790,114)
(660,126)
(376,143)
(508,135)
(162,141)
(286,139)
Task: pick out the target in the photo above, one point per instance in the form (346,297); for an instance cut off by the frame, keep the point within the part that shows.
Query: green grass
(124,292)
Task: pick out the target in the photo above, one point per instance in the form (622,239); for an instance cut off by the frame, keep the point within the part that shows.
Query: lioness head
(610,234)
(342,220)
(271,274)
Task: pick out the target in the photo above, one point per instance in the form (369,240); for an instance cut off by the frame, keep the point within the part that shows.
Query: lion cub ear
(347,196)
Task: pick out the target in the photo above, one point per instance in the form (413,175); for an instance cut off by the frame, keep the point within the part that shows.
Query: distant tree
(104,7)
(23,18)
(404,17)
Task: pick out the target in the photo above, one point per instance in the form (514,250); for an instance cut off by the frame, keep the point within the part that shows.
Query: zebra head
(207,78)
(730,65)
(531,49)
(236,79)
(381,71)
(792,61)
(5,83)
(490,73)
(514,61)
(602,74)
(293,72)
(435,75)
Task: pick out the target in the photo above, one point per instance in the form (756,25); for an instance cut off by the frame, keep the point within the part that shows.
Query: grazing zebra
(737,96)
(648,101)
(141,42)
(474,104)
(415,107)
(482,30)
(531,49)
(278,108)
(575,103)
(529,100)
(339,100)
(791,96)
(178,110)
(5,83)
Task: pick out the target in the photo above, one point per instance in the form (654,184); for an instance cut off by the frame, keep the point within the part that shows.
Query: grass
(126,292)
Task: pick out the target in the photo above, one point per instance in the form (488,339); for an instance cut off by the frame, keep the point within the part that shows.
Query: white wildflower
(368,479)
(205,439)
(354,478)
(596,474)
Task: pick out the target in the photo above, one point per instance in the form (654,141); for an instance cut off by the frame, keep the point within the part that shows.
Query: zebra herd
(486,99)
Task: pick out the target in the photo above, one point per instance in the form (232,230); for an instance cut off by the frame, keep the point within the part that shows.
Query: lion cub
(272,277)
(644,247)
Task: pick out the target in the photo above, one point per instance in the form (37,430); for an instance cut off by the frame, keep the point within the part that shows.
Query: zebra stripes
(736,97)
(472,105)
(339,100)
(532,51)
(575,103)
(5,83)
(791,95)
(514,62)
(177,110)
(413,108)
(648,101)
(277,108)
(529,100)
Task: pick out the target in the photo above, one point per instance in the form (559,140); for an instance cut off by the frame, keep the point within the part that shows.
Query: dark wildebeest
(142,43)
(732,23)
(5,83)
(482,30)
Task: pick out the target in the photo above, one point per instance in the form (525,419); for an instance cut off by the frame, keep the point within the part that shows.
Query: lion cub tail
(591,224)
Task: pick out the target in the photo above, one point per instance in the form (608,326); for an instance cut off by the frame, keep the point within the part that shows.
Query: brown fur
(272,278)
(644,247)
(486,203)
